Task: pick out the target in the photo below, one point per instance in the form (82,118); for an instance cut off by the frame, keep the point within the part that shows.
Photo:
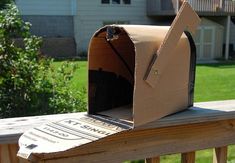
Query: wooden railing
(209,125)
(213,6)
(229,6)
(202,7)
(205,5)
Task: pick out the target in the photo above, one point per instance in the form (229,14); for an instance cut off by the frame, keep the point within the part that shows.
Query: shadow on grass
(222,64)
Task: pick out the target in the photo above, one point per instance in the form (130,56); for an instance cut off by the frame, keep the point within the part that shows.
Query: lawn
(79,80)
(213,82)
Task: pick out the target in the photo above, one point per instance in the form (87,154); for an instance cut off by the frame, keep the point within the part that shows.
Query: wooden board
(201,112)
(12,128)
(138,144)
(220,155)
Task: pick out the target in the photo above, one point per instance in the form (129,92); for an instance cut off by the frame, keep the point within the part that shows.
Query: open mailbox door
(137,74)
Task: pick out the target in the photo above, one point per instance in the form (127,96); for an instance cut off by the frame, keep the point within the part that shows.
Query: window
(105,1)
(116,2)
(126,2)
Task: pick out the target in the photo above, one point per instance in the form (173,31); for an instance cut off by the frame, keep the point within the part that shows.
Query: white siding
(47,7)
(209,40)
(91,14)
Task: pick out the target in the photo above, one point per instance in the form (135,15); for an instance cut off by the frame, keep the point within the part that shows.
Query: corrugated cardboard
(159,55)
(137,74)
(67,134)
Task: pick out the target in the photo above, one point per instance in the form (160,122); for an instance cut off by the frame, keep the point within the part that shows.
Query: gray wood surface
(12,128)
(148,143)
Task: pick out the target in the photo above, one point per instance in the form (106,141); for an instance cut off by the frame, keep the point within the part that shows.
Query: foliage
(29,85)
(3,3)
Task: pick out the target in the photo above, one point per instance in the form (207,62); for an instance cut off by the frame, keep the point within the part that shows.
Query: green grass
(213,82)
(80,78)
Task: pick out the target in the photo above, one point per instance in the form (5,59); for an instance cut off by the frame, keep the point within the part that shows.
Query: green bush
(4,3)
(29,85)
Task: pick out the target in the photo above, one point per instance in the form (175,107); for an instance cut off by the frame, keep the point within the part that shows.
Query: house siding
(91,15)
(79,19)
(46,7)
(49,18)
(51,26)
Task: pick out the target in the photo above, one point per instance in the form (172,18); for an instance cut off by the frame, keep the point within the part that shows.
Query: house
(79,19)
(54,21)
(216,31)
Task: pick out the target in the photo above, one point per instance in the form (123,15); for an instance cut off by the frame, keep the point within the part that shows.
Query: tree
(29,85)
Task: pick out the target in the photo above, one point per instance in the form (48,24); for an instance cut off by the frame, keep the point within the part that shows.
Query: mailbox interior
(111,74)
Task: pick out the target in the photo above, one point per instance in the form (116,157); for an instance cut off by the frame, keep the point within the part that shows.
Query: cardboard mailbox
(137,74)
(141,73)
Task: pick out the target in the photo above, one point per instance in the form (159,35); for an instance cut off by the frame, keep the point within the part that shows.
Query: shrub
(3,3)
(29,85)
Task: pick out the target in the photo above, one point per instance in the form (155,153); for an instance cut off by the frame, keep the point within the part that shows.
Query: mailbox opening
(111,73)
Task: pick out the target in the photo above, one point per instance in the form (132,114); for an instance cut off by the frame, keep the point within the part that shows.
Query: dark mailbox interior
(111,73)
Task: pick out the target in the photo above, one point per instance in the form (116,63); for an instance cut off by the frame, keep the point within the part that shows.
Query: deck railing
(229,6)
(185,133)
(213,6)
(205,5)
(202,7)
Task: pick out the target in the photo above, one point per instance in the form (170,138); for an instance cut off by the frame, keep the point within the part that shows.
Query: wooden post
(8,153)
(188,157)
(221,4)
(152,160)
(227,37)
(220,155)
(177,6)
(13,149)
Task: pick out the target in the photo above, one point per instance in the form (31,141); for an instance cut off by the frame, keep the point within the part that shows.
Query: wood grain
(8,153)
(152,160)
(12,128)
(209,125)
(12,150)
(188,157)
(138,144)
(220,155)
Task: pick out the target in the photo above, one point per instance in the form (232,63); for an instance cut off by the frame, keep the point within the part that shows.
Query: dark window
(116,2)
(127,2)
(105,1)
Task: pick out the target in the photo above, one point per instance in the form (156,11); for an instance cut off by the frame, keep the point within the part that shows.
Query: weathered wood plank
(220,155)
(213,113)
(8,153)
(23,161)
(12,128)
(12,150)
(5,154)
(188,157)
(201,112)
(0,153)
(151,142)
(152,160)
